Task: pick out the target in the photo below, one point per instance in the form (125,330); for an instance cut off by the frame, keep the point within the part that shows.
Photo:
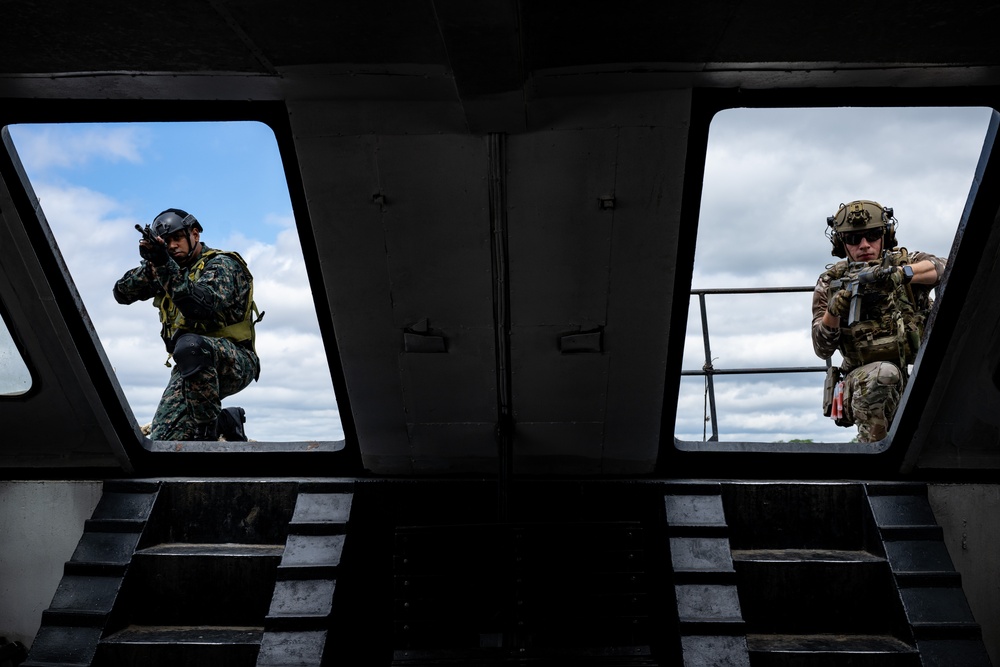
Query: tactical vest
(892,322)
(174,323)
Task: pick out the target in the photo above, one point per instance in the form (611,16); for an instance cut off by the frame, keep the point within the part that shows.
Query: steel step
(830,650)
(160,646)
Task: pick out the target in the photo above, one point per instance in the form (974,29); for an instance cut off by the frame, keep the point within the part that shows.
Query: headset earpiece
(890,241)
(839,249)
(838,245)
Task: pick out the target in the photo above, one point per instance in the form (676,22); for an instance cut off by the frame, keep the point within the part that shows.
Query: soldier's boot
(206,432)
(230,424)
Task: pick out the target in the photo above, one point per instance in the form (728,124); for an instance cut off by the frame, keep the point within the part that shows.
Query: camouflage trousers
(871,396)
(197,399)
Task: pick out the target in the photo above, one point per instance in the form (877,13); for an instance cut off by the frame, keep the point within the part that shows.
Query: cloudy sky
(772,178)
(95,182)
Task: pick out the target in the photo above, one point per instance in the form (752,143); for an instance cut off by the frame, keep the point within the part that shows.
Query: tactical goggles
(870,235)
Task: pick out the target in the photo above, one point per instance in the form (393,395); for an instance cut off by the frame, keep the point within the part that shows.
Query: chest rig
(174,323)
(892,318)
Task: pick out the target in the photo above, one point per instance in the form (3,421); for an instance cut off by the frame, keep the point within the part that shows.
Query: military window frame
(135,452)
(13,361)
(830,457)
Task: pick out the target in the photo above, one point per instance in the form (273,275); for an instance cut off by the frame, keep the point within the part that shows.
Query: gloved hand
(154,253)
(897,275)
(839,303)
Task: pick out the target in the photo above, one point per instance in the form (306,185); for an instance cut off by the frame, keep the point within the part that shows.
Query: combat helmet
(859,216)
(172,220)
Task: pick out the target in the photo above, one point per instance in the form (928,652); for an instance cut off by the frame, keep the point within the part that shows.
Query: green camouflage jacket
(212,297)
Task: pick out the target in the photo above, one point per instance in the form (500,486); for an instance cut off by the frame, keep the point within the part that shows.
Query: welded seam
(237,29)
(497,164)
(607,301)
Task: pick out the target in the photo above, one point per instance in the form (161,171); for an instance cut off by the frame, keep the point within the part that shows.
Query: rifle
(158,248)
(858,276)
(147,234)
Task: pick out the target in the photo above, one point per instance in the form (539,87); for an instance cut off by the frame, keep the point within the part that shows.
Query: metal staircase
(937,612)
(92,580)
(743,574)
(226,573)
(830,574)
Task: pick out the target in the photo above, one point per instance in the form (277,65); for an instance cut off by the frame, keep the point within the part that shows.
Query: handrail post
(709,381)
(709,371)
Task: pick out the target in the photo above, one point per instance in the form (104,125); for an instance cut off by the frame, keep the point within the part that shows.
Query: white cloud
(772,177)
(90,229)
(14,376)
(294,399)
(44,147)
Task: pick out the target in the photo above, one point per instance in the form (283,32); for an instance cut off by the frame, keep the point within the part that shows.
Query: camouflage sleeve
(938,263)
(137,284)
(825,340)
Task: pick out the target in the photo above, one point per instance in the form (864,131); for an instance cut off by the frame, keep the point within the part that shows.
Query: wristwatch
(907,273)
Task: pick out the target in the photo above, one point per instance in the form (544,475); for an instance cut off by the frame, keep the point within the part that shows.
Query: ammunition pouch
(833,397)
(843,419)
(832,378)
(881,348)
(888,340)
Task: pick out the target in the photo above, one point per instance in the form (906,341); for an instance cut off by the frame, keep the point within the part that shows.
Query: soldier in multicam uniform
(205,299)
(891,314)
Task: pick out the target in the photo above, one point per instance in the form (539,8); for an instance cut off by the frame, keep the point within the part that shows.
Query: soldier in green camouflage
(872,307)
(205,300)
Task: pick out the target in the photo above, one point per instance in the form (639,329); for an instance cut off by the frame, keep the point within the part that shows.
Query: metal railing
(709,371)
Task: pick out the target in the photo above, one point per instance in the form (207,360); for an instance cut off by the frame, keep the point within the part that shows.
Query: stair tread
(220,549)
(623,656)
(828,643)
(176,634)
(818,555)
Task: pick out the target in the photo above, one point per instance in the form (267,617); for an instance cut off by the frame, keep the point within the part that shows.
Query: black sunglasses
(854,238)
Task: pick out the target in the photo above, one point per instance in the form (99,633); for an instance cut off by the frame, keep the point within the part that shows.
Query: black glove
(154,253)
(839,303)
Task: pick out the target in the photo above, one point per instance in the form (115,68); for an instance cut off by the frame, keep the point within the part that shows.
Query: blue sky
(228,173)
(96,181)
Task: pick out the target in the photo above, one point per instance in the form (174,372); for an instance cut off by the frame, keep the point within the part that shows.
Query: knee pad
(888,374)
(192,353)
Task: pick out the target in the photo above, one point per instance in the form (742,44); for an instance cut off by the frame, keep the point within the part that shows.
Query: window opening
(772,176)
(15,379)
(95,182)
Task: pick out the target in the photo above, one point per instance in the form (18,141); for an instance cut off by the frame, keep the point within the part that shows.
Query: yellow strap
(237,332)
(240,331)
